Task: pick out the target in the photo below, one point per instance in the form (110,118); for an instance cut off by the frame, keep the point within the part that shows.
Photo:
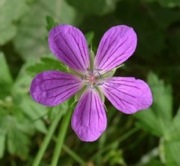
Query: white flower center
(92,78)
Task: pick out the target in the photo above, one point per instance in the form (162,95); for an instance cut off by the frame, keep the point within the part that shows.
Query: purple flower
(127,94)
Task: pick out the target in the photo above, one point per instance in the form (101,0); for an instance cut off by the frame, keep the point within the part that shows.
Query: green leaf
(64,107)
(18,143)
(35,112)
(172,151)
(17,129)
(7,33)
(89,37)
(45,64)
(99,7)
(148,121)
(5,76)
(50,23)
(162,98)
(176,118)
(8,27)
(173,132)
(22,82)
(158,118)
(32,29)
(114,157)
(154,162)
(2,142)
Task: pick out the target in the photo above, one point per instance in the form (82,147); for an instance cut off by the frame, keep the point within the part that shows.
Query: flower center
(92,78)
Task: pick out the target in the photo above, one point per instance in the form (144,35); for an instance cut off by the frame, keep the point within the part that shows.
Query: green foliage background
(150,137)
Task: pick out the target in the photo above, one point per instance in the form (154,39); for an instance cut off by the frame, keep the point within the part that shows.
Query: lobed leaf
(33,33)
(45,64)
(10,13)
(2,141)
(172,151)
(5,75)
(158,118)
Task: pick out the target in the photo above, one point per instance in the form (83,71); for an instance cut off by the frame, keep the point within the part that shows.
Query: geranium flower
(127,94)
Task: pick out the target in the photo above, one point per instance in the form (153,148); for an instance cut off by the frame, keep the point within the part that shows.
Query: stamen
(92,78)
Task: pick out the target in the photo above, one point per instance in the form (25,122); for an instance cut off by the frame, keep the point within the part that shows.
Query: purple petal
(128,95)
(115,47)
(89,118)
(51,88)
(69,45)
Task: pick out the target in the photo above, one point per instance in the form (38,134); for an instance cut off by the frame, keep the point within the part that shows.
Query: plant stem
(61,137)
(47,139)
(100,146)
(73,155)
(70,152)
(117,141)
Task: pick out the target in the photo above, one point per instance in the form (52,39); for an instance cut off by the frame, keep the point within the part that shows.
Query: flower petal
(115,47)
(89,118)
(69,45)
(128,95)
(51,88)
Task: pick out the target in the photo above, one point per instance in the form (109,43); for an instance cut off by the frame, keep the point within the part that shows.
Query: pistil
(91,78)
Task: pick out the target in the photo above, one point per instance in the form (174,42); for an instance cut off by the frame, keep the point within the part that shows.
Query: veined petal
(115,47)
(51,88)
(128,94)
(69,45)
(89,118)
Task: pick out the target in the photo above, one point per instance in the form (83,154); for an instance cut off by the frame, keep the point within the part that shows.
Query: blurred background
(147,138)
